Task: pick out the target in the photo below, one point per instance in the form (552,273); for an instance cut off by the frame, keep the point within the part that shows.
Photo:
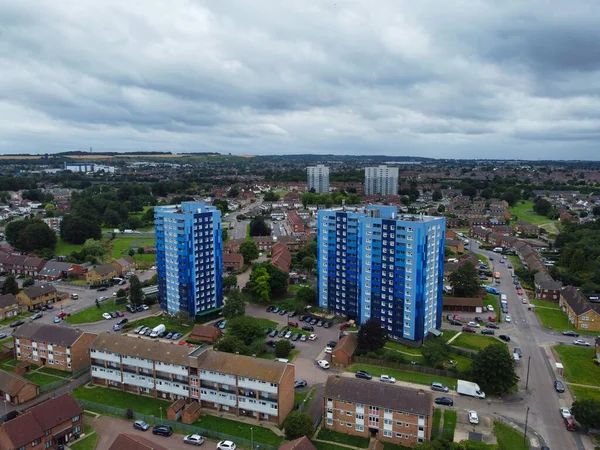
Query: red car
(120,314)
(491,319)
(520,291)
(60,315)
(468,330)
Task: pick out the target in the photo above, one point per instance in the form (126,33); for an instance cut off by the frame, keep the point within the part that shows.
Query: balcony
(163,376)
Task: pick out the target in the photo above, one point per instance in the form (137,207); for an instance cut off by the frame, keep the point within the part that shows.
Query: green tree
(493,368)
(28,282)
(371,335)
(49,207)
(308,262)
(121,293)
(542,207)
(437,195)
(10,285)
(465,281)
(245,328)
(258,227)
(231,344)
(587,412)
(249,251)
(435,351)
(136,296)
(111,218)
(271,197)
(297,424)
(76,230)
(278,280)
(233,192)
(441,209)
(283,348)
(131,252)
(307,295)
(93,247)
(140,250)
(234,305)
(596,211)
(229,282)
(577,263)
(258,284)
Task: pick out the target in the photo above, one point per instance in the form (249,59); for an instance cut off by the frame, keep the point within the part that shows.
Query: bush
(283,348)
(129,413)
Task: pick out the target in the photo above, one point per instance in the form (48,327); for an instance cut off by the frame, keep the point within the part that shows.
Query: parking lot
(485,427)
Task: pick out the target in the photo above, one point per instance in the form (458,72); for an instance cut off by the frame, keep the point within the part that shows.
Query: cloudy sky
(436,78)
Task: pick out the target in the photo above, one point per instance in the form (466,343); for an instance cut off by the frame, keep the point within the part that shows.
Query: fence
(54,385)
(177,427)
(406,367)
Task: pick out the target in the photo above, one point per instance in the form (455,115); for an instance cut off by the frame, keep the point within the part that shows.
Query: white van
(503,299)
(75,296)
(157,330)
(497,249)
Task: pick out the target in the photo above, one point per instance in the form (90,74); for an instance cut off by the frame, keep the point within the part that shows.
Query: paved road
(108,428)
(239,228)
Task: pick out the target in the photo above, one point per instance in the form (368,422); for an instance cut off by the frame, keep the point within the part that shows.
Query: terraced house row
(235,384)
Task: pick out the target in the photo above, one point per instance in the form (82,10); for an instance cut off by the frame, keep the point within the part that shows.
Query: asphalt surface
(239,228)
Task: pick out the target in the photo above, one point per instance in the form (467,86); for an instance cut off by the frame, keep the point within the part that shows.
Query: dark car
(102,289)
(176,336)
(130,308)
(292,314)
(49,306)
(163,430)
(504,337)
(139,308)
(320,323)
(327,324)
(270,308)
(444,401)
(120,314)
(17,323)
(122,321)
(283,312)
(313,321)
(302,318)
(478,319)
(169,335)
(468,330)
(332,344)
(363,374)
(295,336)
(308,328)
(300,383)
(282,333)
(271,343)
(558,386)
(492,325)
(570,333)
(113,314)
(2,335)
(455,322)
(490,332)
(504,309)
(308,319)
(273,333)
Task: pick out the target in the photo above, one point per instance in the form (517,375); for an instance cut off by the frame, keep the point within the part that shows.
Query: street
(239,227)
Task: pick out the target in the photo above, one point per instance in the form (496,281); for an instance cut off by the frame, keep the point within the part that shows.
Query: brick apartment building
(45,426)
(100,274)
(387,412)
(546,288)
(34,297)
(9,306)
(582,314)
(54,346)
(296,222)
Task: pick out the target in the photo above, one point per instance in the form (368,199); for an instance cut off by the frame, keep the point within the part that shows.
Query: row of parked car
(302,318)
(157,332)
(192,439)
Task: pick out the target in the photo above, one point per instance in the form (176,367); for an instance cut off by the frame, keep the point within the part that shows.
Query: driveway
(108,428)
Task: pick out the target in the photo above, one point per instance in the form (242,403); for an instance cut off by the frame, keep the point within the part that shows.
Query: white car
(507,318)
(312,337)
(524,301)
(473,324)
(328,350)
(107,316)
(565,412)
(226,445)
(581,342)
(145,307)
(490,308)
(194,439)
(473,417)
(323,364)
(387,379)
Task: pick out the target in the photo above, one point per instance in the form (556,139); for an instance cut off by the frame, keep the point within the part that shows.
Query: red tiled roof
(281,257)
(301,443)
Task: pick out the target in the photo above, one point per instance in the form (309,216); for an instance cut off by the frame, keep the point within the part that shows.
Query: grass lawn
(239,429)
(545,304)
(509,438)
(8,364)
(41,378)
(449,424)
(449,334)
(22,316)
(524,211)
(579,367)
(515,262)
(169,323)
(494,300)
(87,443)
(122,244)
(93,313)
(404,348)
(63,248)
(580,392)
(120,399)
(462,362)
(288,302)
(390,446)
(555,319)
(475,341)
(483,259)
(56,372)
(402,375)
(342,438)
(5,340)
(299,397)
(437,417)
(265,323)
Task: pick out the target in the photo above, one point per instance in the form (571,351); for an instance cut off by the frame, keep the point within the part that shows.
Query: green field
(63,248)
(580,392)
(41,379)
(509,438)
(405,348)
(120,399)
(93,313)
(579,367)
(545,304)
(475,341)
(122,244)
(555,319)
(239,429)
(403,375)
(524,211)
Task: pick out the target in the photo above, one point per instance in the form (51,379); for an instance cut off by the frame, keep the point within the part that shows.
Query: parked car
(491,319)
(323,364)
(270,308)
(468,330)
(362,374)
(140,425)
(282,332)
(308,319)
(223,325)
(519,291)
(570,333)
(439,387)
(35,316)
(559,386)
(2,335)
(273,333)
(581,342)
(288,335)
(564,412)
(139,308)
(122,321)
(116,327)
(570,424)
(504,337)
(56,320)
(308,328)
(312,337)
(490,308)
(169,335)
(518,351)
(332,344)
(271,343)
(293,324)
(303,338)
(120,314)
(313,321)
(328,350)
(275,310)
(486,331)
(292,314)
(327,324)
(473,324)
(387,379)
(106,316)
(176,336)
(226,445)
(194,439)
(444,401)
(113,314)
(295,336)
(507,318)
(300,384)
(455,322)
(283,312)
(320,323)
(492,325)
(130,308)
(163,430)
(473,417)
(102,289)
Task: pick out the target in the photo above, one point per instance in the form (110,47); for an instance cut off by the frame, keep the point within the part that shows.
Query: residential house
(45,426)
(101,274)
(455,245)
(480,233)
(387,412)
(281,257)
(527,228)
(34,297)
(233,262)
(264,243)
(9,306)
(205,333)
(453,222)
(55,270)
(124,265)
(20,265)
(15,389)
(546,288)
(54,346)
(342,353)
(233,245)
(450,234)
(126,441)
(582,314)
(302,443)
(295,222)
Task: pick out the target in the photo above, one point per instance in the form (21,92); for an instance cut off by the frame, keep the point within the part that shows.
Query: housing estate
(34,297)
(583,314)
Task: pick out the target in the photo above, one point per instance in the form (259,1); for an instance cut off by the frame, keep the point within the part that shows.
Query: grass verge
(402,375)
(239,429)
(523,210)
(474,341)
(449,424)
(41,379)
(555,319)
(509,438)
(87,443)
(342,438)
(437,417)
(404,348)
(581,392)
(578,364)
(63,248)
(56,372)
(120,399)
(93,313)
